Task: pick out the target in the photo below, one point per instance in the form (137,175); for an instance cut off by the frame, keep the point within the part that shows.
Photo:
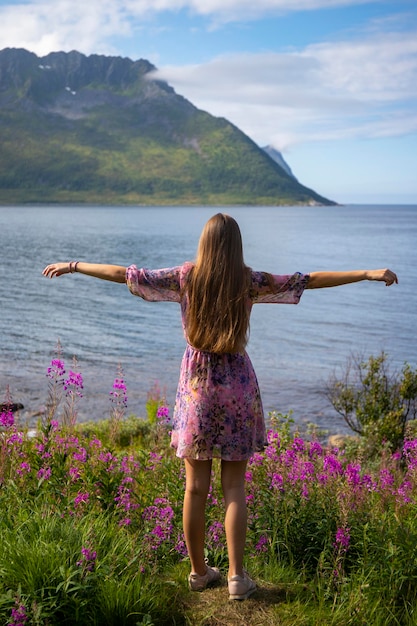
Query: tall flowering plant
(55,374)
(72,387)
(6,413)
(64,387)
(118,399)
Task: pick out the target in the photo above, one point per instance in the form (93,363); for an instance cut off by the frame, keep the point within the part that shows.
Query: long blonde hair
(218,286)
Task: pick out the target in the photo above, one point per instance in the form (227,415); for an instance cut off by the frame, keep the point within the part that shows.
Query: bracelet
(72,269)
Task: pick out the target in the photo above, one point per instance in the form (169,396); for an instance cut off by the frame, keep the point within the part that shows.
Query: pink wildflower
(44,473)
(342,539)
(81,498)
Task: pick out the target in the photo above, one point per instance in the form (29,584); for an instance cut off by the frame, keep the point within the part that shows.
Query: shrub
(374,402)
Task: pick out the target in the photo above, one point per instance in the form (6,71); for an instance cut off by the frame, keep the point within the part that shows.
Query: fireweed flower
(315,449)
(257,459)
(262,545)
(215,535)
(6,419)
(128,465)
(211,497)
(18,615)
(118,395)
(342,539)
(249,499)
(106,457)
(271,453)
(124,495)
(273,437)
(298,444)
(308,470)
(180,546)
(81,498)
(410,447)
(277,481)
(155,459)
(160,519)
(65,445)
(386,479)
(322,479)
(108,460)
(74,383)
(163,415)
(80,455)
(249,476)
(24,468)
(74,473)
(119,392)
(332,465)
(56,370)
(44,473)
(46,455)
(14,438)
(410,453)
(289,457)
(352,474)
(369,483)
(404,492)
(88,559)
(55,373)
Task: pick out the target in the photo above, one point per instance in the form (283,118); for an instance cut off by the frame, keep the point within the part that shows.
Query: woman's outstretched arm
(319,280)
(115,273)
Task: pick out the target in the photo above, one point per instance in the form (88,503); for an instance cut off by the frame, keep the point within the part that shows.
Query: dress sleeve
(273,288)
(154,285)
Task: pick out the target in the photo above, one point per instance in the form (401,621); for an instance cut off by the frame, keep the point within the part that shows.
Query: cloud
(47,26)
(363,88)
(43,26)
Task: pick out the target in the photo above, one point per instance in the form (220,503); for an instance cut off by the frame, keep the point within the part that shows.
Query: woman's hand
(56,269)
(386,276)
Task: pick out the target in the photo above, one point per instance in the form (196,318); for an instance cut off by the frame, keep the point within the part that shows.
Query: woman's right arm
(318,280)
(115,273)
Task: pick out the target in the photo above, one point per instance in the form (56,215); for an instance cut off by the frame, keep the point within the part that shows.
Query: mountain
(278,158)
(102,129)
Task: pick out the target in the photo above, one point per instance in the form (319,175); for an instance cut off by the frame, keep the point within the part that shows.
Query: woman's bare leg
(197,484)
(233,484)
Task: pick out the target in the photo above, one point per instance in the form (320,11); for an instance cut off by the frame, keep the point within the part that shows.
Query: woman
(218,411)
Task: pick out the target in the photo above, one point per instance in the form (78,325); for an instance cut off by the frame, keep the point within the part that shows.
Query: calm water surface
(294,348)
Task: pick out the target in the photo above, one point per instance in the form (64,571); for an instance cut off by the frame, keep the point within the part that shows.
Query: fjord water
(295,349)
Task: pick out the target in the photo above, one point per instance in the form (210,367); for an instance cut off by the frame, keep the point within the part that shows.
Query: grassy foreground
(91,531)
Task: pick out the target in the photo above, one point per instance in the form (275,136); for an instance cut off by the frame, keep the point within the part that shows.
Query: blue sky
(332,84)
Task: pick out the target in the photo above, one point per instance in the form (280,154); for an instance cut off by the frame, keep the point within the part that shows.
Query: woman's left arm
(318,280)
(115,273)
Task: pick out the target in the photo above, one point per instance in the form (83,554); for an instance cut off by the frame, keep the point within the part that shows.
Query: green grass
(97,540)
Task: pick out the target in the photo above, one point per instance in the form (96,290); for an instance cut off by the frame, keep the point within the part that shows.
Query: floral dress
(218,409)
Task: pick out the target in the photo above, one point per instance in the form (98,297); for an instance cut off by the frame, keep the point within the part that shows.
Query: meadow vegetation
(91,514)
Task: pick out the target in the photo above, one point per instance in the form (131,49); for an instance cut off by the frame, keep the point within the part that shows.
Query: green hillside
(100,129)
